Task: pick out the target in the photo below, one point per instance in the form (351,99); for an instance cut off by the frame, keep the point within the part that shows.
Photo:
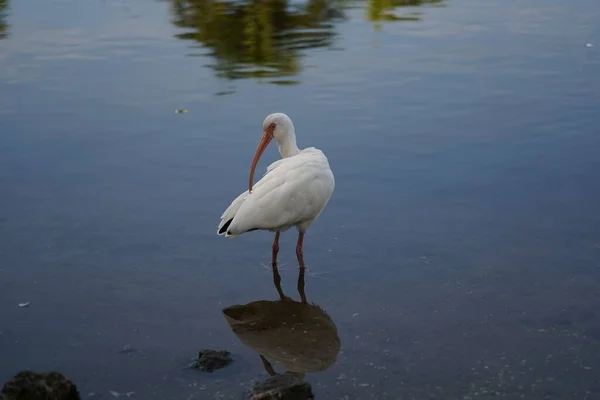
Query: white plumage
(293,191)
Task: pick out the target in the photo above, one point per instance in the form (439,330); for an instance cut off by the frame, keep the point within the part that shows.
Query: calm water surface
(459,257)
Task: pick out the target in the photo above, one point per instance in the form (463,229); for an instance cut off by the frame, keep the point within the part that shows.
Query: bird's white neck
(287,145)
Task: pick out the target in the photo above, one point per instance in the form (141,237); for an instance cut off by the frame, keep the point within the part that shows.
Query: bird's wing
(304,154)
(230,212)
(294,190)
(235,205)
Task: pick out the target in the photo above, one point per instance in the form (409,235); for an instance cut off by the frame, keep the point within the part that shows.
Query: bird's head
(276,126)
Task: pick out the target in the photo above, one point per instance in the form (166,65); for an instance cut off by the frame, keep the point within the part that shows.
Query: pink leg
(299,250)
(302,267)
(276,276)
(275,248)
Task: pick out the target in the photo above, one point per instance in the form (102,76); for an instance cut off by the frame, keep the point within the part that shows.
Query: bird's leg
(276,276)
(277,282)
(301,285)
(302,267)
(275,248)
(299,250)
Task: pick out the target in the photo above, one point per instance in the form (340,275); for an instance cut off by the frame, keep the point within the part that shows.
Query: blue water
(459,257)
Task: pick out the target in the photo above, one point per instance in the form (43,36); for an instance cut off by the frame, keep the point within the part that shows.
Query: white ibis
(293,192)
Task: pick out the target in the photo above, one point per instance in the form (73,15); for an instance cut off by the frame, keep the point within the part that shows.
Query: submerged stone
(28,385)
(282,387)
(210,360)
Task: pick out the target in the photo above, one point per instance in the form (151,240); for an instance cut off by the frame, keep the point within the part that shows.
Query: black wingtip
(224,227)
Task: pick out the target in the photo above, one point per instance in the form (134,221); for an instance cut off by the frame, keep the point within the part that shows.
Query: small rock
(282,387)
(33,385)
(181,111)
(210,360)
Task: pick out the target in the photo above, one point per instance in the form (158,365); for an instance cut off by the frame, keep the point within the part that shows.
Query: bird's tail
(229,214)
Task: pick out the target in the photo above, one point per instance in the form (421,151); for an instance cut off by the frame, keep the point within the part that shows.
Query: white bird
(293,192)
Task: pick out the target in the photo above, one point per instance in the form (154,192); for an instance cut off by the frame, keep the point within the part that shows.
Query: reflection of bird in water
(298,336)
(293,192)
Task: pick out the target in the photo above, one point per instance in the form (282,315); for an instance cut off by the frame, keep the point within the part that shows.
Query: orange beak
(264,142)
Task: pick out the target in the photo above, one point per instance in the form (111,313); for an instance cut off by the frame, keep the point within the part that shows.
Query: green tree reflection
(384,10)
(257,38)
(3,17)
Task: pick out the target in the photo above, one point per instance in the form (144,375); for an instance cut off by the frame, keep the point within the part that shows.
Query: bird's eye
(272,126)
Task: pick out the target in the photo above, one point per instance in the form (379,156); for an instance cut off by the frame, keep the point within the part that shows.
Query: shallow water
(458,258)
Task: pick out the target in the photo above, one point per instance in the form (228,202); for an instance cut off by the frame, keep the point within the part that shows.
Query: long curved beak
(264,142)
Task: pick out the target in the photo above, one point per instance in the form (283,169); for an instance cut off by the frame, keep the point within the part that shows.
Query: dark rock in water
(210,360)
(282,387)
(28,385)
